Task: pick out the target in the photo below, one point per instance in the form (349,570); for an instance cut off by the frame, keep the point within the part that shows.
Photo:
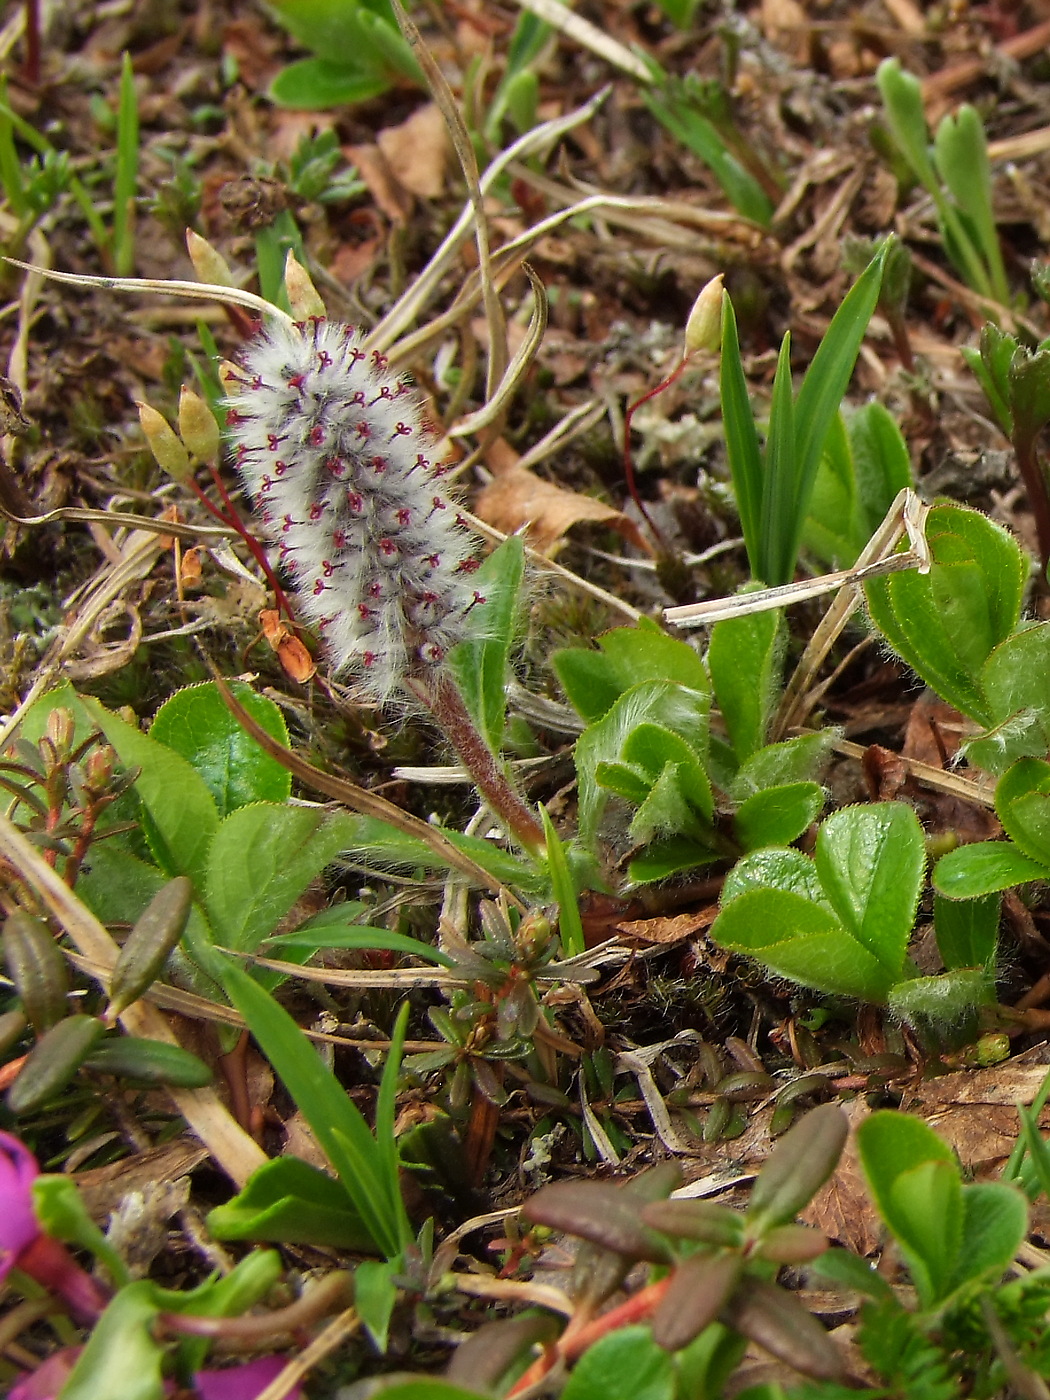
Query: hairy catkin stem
(445,703)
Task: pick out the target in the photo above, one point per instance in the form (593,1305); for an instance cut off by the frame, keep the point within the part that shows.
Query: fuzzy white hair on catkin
(333,450)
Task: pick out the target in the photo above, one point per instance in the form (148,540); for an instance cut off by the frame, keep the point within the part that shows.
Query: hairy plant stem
(445,703)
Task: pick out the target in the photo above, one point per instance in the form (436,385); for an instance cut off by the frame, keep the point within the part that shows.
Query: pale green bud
(197,426)
(164,443)
(703,330)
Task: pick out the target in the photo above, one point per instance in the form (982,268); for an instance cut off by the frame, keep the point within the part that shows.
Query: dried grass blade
(229,1144)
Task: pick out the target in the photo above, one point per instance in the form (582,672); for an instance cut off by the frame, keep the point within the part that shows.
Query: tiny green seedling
(956,175)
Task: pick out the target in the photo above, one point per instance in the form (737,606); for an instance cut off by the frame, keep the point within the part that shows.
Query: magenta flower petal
(241,1382)
(18,1223)
(49,1377)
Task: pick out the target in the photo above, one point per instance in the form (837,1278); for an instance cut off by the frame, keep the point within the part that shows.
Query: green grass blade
(10,166)
(745,457)
(695,132)
(125,182)
(781,520)
(826,381)
(335,1120)
(570,925)
(387,1157)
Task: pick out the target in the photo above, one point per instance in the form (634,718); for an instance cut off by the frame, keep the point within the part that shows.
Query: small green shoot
(955,174)
(774,488)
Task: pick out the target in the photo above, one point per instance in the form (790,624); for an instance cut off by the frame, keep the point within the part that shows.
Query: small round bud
(703,330)
(302,294)
(208,263)
(164,443)
(197,426)
(99,767)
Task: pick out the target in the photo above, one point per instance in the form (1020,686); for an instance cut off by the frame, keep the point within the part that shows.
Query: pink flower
(241,1382)
(18,1223)
(25,1246)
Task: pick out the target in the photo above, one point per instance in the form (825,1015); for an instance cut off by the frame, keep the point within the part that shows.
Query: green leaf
(943,1010)
(653,749)
(147,1061)
(844,1268)
(822,391)
(1016,681)
(375,1294)
(698,134)
(261,859)
(984,868)
(182,814)
(991,365)
(797,760)
(286,1201)
(333,929)
(797,938)
(479,664)
(746,659)
(122,1356)
(832,529)
(780,485)
(902,97)
(625,1365)
(570,925)
(881,461)
(669,857)
(742,449)
(382,846)
(995,1224)
(961,157)
(871,861)
(926,1214)
(675,707)
(777,815)
(967,930)
(945,624)
(774,869)
(668,809)
(1028,382)
(312,84)
(236,770)
(117,887)
(594,680)
(336,1121)
(1022,804)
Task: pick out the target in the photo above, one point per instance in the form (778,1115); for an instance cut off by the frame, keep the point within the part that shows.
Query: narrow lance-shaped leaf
(745,458)
(781,499)
(825,384)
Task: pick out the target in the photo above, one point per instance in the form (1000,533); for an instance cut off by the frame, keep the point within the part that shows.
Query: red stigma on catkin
(379,562)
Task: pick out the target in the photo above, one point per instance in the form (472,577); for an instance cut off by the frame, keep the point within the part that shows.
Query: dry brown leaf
(842,1207)
(518,498)
(417,151)
(673,929)
(974,1110)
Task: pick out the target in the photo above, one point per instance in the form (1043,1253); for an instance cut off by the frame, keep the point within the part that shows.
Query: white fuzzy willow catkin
(332,447)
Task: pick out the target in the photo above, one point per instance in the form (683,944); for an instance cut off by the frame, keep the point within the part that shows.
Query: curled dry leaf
(293,656)
(517,498)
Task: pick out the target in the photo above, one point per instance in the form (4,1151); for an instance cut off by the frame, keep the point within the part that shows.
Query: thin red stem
(574,1341)
(232,521)
(628,463)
